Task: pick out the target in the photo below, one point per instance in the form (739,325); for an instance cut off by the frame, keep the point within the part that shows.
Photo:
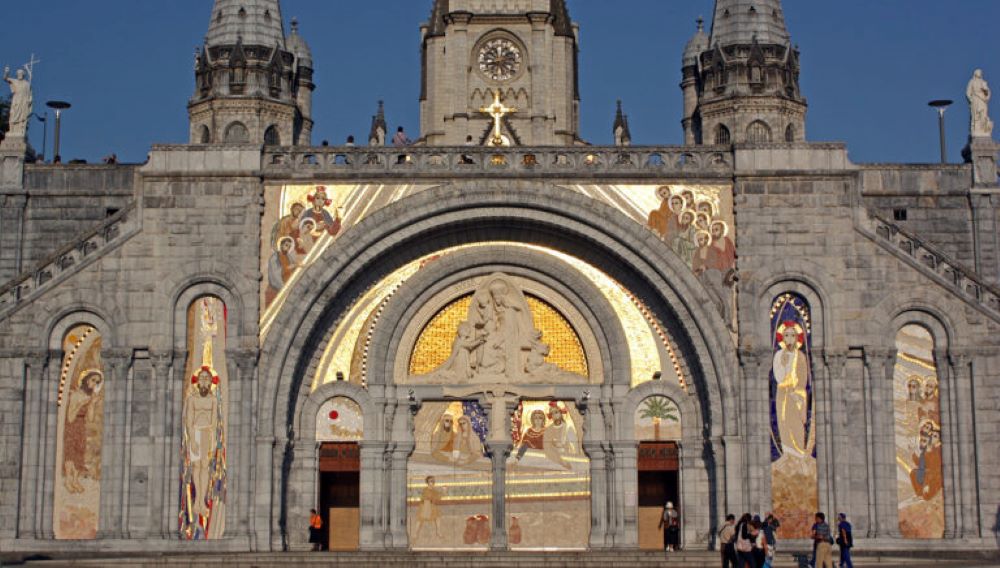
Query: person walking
(727,536)
(823,541)
(845,540)
(315,528)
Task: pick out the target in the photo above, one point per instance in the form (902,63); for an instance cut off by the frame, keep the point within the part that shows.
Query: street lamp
(941,106)
(58,106)
(44,119)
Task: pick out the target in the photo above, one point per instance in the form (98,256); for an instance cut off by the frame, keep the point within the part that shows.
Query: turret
(252,86)
(745,79)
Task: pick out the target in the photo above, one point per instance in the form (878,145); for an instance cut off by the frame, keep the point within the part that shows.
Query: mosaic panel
(339,420)
(548,478)
(657,419)
(794,488)
(449,478)
(919,472)
(202,514)
(79,436)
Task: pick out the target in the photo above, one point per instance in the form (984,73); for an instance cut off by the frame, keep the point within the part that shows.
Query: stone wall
(798,230)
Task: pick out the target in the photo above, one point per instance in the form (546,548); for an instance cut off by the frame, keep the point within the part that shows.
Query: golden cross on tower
(498,110)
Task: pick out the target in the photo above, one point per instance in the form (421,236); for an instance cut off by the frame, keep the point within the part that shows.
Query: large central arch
(483,212)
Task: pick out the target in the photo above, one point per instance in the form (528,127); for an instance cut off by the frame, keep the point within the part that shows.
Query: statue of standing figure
(978,93)
(20,102)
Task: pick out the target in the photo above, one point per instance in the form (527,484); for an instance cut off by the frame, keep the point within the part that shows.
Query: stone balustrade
(959,279)
(476,161)
(70,259)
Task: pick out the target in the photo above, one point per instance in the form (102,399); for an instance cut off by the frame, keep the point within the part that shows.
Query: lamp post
(941,106)
(44,119)
(58,106)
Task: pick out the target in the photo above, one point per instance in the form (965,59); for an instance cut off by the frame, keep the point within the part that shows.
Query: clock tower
(523,52)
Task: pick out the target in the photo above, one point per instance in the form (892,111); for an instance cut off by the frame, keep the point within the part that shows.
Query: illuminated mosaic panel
(434,345)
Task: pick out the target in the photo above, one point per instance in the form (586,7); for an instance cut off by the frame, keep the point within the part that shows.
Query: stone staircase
(70,259)
(960,280)
(594,559)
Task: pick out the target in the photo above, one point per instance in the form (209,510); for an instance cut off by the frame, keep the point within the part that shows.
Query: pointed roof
(378,121)
(258,22)
(298,46)
(738,21)
(697,45)
(437,25)
(621,120)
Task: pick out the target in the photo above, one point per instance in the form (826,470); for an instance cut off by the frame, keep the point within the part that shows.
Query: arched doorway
(327,293)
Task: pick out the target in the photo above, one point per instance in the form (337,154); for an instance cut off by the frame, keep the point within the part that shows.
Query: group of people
(751,542)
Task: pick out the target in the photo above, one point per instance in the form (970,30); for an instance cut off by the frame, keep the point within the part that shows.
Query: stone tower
(741,83)
(524,49)
(253,85)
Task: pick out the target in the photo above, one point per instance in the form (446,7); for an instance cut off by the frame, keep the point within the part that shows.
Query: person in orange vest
(315,526)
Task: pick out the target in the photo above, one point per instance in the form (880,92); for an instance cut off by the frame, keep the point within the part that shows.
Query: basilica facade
(499,336)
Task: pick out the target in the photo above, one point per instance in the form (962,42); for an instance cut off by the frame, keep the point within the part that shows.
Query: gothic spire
(258,22)
(623,137)
(739,21)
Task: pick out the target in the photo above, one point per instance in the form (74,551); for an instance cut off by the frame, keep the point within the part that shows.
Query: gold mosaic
(434,345)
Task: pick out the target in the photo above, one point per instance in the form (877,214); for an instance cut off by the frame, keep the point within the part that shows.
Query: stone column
(622,464)
(242,366)
(373,455)
(47,458)
(964,424)
(880,364)
(399,509)
(836,440)
(984,227)
(113,463)
(756,415)
(456,85)
(32,475)
(160,474)
(733,466)
(821,393)
(499,452)
(302,484)
(599,491)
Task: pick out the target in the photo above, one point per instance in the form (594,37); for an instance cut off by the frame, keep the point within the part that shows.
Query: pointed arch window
(722,135)
(790,133)
(205,136)
(758,132)
(271,136)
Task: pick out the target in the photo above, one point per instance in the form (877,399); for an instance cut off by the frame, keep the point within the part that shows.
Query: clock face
(500,59)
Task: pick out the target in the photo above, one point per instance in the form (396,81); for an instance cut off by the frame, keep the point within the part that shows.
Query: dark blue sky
(869,67)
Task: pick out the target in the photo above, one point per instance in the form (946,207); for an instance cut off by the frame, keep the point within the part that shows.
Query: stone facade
(155,238)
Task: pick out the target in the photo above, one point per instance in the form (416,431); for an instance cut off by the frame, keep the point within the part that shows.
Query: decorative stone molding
(70,259)
(961,281)
(675,162)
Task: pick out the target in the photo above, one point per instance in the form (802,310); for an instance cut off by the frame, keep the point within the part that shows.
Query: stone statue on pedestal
(20,102)
(978,93)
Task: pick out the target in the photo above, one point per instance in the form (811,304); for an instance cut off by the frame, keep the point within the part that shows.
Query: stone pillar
(302,486)
(756,426)
(456,86)
(373,499)
(599,491)
(622,464)
(984,198)
(733,468)
(881,369)
(242,366)
(964,424)
(160,474)
(836,439)
(399,508)
(499,452)
(113,463)
(32,475)
(822,426)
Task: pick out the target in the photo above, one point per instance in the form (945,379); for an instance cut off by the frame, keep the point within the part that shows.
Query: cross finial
(498,111)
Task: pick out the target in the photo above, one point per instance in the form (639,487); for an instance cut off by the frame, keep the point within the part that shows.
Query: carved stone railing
(959,279)
(70,259)
(478,161)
